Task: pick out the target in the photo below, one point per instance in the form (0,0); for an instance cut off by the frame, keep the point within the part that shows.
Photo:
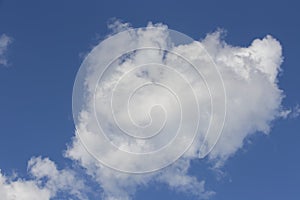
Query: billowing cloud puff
(45,183)
(4,43)
(253,96)
(252,102)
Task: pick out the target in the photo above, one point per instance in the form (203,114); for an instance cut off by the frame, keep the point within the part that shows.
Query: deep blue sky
(50,38)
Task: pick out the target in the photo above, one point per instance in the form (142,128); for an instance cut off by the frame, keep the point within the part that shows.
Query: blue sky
(50,39)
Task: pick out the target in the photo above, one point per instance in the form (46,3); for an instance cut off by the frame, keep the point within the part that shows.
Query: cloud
(4,43)
(295,112)
(20,189)
(45,183)
(253,101)
(254,98)
(291,113)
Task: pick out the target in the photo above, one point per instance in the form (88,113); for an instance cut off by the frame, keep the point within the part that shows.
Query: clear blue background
(50,36)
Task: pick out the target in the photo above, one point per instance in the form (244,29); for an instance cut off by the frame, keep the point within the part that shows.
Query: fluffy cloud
(46,181)
(4,43)
(253,96)
(253,101)
(21,189)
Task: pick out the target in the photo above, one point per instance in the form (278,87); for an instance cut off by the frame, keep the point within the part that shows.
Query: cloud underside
(253,101)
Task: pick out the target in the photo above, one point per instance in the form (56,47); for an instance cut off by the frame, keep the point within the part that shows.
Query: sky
(43,45)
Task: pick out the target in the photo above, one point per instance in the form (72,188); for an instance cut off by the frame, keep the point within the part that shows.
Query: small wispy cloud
(291,113)
(5,41)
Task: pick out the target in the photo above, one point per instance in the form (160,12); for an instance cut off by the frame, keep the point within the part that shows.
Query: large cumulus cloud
(253,102)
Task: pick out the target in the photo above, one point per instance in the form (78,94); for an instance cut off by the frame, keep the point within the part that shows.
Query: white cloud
(46,181)
(22,190)
(4,43)
(250,77)
(295,112)
(57,180)
(291,113)
(253,102)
